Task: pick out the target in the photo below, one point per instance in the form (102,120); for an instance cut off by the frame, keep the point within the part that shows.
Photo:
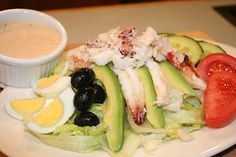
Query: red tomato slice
(216,62)
(220,99)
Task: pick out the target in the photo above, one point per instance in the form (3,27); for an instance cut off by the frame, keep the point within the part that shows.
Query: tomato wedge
(216,62)
(220,99)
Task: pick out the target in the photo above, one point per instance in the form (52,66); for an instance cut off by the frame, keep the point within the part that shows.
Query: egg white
(66,98)
(55,89)
(12,112)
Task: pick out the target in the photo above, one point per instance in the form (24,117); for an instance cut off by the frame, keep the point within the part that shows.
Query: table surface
(83,24)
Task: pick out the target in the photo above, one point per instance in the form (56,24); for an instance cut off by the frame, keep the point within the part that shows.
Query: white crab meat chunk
(77,58)
(196,82)
(187,69)
(160,83)
(101,57)
(192,78)
(133,93)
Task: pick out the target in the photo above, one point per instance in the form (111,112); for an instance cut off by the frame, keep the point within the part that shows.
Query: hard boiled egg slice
(55,112)
(51,86)
(19,107)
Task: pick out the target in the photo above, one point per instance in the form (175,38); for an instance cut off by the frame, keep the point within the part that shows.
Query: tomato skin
(216,62)
(220,99)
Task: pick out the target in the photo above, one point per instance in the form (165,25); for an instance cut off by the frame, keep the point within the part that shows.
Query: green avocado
(154,113)
(114,116)
(175,79)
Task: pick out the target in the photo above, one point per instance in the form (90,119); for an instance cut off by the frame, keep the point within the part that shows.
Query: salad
(122,91)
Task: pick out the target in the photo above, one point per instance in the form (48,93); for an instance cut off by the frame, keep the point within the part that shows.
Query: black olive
(100,95)
(86,119)
(84,98)
(82,77)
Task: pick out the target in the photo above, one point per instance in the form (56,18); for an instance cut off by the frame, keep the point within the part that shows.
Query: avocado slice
(114,116)
(154,113)
(175,78)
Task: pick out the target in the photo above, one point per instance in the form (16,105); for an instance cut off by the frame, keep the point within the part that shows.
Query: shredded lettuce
(60,67)
(151,141)
(172,127)
(184,122)
(144,128)
(131,144)
(178,125)
(99,110)
(75,138)
(77,143)
(71,129)
(96,108)
(192,100)
(187,117)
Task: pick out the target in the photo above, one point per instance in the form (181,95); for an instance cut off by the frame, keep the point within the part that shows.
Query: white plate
(16,142)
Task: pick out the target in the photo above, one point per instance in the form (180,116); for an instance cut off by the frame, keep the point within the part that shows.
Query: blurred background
(59,4)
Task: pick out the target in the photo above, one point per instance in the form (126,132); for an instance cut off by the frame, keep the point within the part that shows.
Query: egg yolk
(46,82)
(24,106)
(50,115)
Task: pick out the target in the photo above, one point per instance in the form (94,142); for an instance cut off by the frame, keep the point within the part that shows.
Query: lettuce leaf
(73,130)
(60,68)
(151,141)
(77,143)
(131,144)
(193,115)
(75,138)
(183,121)
(99,110)
(144,128)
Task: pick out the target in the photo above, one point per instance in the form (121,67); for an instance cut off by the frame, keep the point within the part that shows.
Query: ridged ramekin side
(23,76)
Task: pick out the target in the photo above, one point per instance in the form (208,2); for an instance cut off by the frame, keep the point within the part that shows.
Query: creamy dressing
(27,39)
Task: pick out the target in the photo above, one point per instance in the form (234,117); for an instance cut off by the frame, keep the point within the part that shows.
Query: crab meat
(75,62)
(160,83)
(101,57)
(134,94)
(188,70)
(126,36)
(78,58)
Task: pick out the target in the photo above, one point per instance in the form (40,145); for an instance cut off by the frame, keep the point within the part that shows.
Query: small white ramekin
(24,72)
